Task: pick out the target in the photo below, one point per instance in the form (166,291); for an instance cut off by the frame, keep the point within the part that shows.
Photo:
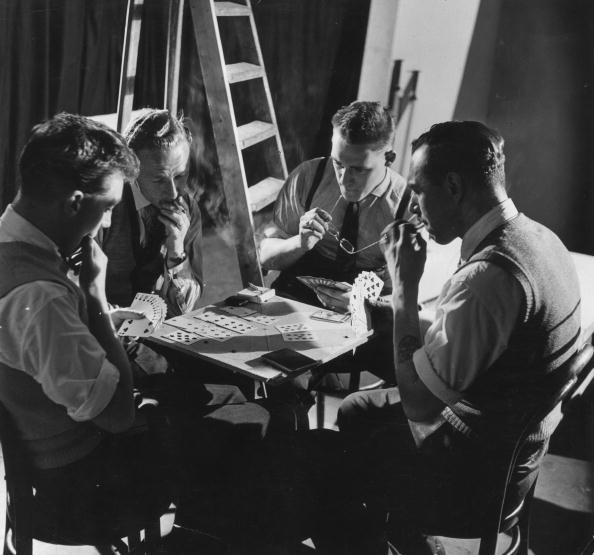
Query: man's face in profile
(164,173)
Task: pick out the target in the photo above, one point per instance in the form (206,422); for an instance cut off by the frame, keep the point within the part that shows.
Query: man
(351,196)
(64,376)
(327,204)
(508,316)
(154,242)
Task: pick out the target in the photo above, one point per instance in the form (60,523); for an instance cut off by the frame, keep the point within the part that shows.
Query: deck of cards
(367,286)
(256,293)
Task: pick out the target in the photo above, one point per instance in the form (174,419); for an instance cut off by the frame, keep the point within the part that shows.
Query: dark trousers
(446,481)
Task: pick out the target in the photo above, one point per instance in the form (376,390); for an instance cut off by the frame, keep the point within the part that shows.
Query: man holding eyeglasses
(330,213)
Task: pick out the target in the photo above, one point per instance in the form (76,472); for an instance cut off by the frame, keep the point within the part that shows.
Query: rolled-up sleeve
(289,205)
(475,316)
(62,355)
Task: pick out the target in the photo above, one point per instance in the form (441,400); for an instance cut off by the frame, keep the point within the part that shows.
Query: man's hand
(335,298)
(313,226)
(93,267)
(118,315)
(405,251)
(175,217)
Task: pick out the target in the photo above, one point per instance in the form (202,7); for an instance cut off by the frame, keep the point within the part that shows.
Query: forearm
(101,327)
(278,254)
(418,403)
(180,293)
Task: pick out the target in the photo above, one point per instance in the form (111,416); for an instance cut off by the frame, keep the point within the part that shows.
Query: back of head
(365,123)
(156,129)
(70,152)
(468,148)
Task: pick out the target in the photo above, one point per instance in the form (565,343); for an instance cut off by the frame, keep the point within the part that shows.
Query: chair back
(557,387)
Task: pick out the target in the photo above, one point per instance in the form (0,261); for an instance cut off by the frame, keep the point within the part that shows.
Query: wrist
(297,245)
(175,258)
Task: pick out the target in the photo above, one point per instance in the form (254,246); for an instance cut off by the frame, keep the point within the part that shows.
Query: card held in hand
(154,309)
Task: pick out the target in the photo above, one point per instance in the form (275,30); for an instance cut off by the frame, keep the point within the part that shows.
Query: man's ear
(390,156)
(73,203)
(455,186)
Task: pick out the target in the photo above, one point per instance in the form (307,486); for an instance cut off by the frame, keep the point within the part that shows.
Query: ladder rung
(264,192)
(242,72)
(254,132)
(227,9)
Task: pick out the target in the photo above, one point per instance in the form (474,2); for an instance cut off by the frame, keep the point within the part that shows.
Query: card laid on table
(261,319)
(234,324)
(299,336)
(184,337)
(287,328)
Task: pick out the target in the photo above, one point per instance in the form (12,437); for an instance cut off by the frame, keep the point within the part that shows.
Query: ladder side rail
(174,36)
(208,40)
(274,122)
(129,62)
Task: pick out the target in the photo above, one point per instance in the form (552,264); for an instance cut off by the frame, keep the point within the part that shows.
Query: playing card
(312,282)
(359,317)
(330,316)
(240,311)
(234,324)
(299,336)
(183,337)
(136,328)
(261,319)
(287,328)
(212,331)
(185,323)
(371,285)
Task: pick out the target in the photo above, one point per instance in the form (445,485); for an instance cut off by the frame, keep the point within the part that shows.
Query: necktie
(350,228)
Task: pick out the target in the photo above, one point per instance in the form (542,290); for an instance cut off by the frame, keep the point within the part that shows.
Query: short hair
(466,147)
(363,122)
(156,129)
(70,152)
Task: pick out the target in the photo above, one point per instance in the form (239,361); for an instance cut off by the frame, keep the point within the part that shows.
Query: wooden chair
(25,521)
(516,520)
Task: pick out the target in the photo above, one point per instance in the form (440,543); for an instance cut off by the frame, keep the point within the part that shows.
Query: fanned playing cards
(154,309)
(367,285)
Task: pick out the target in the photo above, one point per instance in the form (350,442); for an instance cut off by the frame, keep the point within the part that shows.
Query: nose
(170,192)
(414,206)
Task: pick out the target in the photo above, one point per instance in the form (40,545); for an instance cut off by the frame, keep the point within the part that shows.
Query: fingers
(129,313)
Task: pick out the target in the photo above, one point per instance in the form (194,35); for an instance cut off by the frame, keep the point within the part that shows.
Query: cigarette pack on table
(256,294)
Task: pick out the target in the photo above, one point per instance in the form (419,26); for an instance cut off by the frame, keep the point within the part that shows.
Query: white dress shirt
(42,334)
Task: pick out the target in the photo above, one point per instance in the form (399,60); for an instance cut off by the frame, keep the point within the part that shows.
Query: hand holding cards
(154,309)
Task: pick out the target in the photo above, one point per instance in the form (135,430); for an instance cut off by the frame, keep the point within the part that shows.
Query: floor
(562,518)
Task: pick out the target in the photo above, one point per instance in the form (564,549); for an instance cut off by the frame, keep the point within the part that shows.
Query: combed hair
(156,129)
(69,152)
(365,123)
(465,147)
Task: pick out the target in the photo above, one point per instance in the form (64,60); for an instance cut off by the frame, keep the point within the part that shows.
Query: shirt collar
(140,201)
(13,227)
(495,217)
(382,186)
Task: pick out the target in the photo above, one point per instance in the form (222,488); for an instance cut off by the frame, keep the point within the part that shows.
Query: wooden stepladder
(249,148)
(239,101)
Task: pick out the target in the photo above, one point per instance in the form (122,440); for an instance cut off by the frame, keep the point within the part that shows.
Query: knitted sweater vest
(50,436)
(546,333)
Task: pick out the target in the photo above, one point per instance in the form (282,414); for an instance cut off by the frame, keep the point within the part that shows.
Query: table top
(242,353)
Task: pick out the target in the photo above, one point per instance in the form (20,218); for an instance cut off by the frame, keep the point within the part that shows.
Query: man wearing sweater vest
(509,315)
(65,378)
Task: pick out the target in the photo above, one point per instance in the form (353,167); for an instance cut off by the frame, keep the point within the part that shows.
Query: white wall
(432,36)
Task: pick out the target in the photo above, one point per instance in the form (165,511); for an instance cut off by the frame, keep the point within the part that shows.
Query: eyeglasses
(348,247)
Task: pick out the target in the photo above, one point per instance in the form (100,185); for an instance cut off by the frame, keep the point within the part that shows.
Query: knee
(348,411)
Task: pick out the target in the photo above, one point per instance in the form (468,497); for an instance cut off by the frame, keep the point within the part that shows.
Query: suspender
(316,182)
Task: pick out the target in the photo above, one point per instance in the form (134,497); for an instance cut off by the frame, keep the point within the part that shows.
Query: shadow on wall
(531,77)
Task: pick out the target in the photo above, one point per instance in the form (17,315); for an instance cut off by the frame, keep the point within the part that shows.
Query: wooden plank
(129,59)
(218,96)
(279,144)
(243,72)
(264,193)
(231,9)
(254,132)
(174,36)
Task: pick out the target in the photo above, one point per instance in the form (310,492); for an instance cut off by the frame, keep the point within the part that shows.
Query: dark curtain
(54,55)
(65,55)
